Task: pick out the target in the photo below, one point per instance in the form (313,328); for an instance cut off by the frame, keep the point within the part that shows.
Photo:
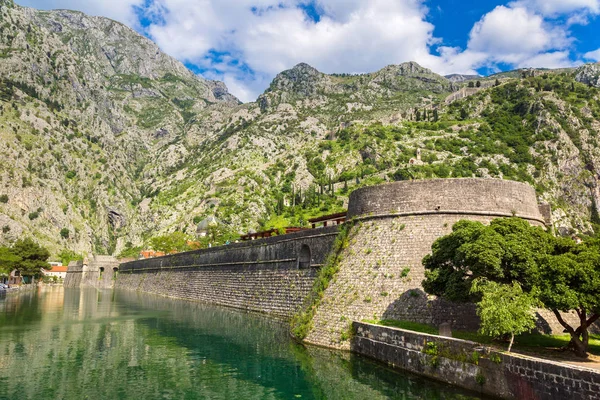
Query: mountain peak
(409,68)
(301,79)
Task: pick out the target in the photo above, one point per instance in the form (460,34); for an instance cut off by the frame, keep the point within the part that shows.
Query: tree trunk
(579,337)
(512,339)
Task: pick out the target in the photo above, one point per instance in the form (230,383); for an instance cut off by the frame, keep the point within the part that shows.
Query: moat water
(67,344)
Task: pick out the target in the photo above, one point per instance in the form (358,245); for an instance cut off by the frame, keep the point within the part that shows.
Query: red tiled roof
(58,269)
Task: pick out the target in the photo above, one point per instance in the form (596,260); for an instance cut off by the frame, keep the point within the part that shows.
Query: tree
(66,256)
(436,116)
(64,233)
(504,309)
(463,114)
(32,257)
(7,260)
(471,84)
(478,84)
(561,275)
(497,83)
(171,242)
(218,234)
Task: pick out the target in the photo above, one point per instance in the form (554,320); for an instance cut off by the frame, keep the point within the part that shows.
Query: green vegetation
(504,309)
(26,256)
(302,322)
(130,251)
(172,242)
(557,273)
(64,233)
(4,198)
(533,342)
(66,256)
(408,325)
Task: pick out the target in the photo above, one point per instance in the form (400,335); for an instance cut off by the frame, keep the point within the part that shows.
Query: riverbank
(20,289)
(475,367)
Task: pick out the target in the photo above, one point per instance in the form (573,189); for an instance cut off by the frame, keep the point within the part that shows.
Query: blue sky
(245,43)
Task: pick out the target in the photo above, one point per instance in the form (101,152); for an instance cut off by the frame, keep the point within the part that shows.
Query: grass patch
(302,322)
(533,341)
(530,342)
(409,326)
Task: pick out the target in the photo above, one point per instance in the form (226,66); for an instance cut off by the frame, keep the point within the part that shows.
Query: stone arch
(304,257)
(115,272)
(101,272)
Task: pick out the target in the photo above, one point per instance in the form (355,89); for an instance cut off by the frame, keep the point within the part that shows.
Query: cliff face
(110,141)
(87,105)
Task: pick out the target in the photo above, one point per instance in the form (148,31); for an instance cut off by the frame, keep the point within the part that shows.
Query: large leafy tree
(31,257)
(7,260)
(563,276)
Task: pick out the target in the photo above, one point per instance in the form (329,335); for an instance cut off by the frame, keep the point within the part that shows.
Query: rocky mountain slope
(107,141)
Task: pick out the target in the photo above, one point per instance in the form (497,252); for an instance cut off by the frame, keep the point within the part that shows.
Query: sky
(246,43)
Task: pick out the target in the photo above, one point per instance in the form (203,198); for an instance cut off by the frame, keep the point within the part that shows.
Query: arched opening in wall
(304,257)
(101,272)
(115,272)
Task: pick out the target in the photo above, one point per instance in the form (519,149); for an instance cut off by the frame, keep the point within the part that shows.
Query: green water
(85,344)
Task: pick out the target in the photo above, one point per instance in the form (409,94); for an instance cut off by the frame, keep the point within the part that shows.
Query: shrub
(64,233)
(34,215)
(4,198)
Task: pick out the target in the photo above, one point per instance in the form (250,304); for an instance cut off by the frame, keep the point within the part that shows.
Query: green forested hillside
(107,138)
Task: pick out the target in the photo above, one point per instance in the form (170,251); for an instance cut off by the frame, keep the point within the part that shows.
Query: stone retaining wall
(471,366)
(272,275)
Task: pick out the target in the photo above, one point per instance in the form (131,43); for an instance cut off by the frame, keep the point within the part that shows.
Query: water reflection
(76,344)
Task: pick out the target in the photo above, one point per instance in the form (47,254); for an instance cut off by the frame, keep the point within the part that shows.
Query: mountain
(457,78)
(108,142)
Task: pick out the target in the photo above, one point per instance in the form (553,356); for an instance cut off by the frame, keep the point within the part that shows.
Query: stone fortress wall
(100,272)
(272,275)
(394,227)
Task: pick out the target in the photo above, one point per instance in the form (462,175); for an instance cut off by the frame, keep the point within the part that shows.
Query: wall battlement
(465,196)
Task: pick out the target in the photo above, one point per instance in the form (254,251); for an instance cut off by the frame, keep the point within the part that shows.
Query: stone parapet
(469,365)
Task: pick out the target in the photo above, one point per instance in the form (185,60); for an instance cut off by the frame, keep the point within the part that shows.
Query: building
(271,232)
(145,254)
(328,220)
(56,271)
(13,279)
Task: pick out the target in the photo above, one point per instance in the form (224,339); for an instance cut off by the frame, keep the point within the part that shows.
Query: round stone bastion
(464,196)
(381,271)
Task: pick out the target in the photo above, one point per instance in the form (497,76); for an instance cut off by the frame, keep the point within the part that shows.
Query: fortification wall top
(275,248)
(493,197)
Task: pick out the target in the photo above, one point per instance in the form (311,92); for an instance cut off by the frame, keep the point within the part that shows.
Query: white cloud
(554,8)
(120,10)
(512,35)
(593,55)
(246,42)
(352,35)
(555,59)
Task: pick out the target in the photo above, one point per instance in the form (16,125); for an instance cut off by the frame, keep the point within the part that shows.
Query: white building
(58,271)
